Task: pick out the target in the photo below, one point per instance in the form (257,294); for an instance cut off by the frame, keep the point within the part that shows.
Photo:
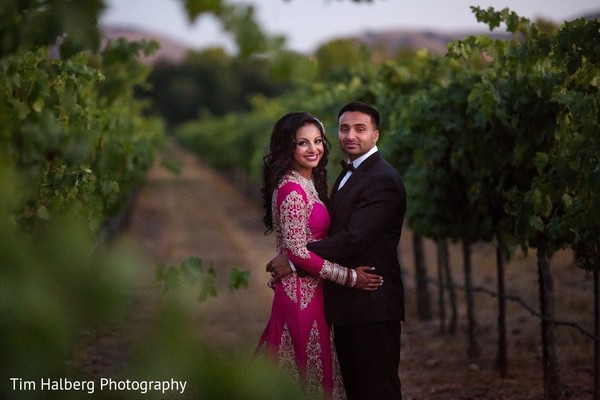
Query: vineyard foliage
(74,133)
(75,145)
(497,140)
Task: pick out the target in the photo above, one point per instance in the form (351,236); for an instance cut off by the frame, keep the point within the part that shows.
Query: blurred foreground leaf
(191,272)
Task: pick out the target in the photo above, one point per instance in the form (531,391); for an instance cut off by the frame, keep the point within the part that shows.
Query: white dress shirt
(356,163)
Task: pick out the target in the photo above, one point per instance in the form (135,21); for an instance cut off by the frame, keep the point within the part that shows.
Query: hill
(170,49)
(382,42)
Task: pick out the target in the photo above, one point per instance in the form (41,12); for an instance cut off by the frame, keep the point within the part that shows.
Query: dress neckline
(307,184)
(299,175)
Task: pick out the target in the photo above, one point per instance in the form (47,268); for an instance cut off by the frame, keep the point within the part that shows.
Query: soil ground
(199,213)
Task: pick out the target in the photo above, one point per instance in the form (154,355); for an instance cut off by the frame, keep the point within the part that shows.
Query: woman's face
(309,149)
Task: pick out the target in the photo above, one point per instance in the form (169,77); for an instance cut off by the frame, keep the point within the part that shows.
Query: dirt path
(174,217)
(198,213)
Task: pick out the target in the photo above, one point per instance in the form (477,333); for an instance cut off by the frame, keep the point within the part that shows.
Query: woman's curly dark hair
(281,154)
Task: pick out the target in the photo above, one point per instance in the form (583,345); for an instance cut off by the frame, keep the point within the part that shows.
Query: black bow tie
(347,166)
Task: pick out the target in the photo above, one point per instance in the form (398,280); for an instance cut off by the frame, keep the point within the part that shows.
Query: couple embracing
(338,296)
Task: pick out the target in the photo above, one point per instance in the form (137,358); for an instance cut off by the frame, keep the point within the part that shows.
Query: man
(367,207)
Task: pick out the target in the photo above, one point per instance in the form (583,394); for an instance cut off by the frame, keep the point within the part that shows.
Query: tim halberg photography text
(103,384)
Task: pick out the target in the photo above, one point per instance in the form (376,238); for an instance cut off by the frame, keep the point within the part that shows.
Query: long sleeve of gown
(294,210)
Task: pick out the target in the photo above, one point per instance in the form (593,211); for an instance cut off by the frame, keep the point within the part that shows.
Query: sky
(308,23)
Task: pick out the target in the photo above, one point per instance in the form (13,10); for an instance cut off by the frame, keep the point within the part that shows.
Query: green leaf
(540,161)
(537,223)
(193,268)
(208,287)
(42,213)
(238,279)
(38,105)
(195,8)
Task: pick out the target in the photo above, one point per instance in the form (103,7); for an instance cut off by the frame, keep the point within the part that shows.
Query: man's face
(356,134)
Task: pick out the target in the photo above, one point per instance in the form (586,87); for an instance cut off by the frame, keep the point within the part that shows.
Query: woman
(297,336)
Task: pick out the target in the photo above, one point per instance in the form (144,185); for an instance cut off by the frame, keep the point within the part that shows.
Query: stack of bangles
(352,278)
(338,274)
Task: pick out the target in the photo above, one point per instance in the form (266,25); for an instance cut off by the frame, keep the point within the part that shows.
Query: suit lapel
(336,185)
(337,194)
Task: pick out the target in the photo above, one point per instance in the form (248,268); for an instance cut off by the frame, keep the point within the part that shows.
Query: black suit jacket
(367,214)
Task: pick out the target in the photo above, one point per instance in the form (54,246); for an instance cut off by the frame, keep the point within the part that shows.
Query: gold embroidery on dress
(295,218)
(289,286)
(339,391)
(263,349)
(287,355)
(327,270)
(314,364)
(308,286)
(293,215)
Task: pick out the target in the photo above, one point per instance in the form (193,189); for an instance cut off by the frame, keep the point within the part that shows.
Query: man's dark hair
(363,108)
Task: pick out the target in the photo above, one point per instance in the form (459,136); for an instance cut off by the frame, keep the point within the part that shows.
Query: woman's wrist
(353,277)
(337,274)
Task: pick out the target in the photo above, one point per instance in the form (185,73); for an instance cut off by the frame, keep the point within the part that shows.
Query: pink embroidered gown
(297,336)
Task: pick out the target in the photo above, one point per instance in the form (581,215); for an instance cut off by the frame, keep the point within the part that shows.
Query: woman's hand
(279,267)
(272,283)
(366,280)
